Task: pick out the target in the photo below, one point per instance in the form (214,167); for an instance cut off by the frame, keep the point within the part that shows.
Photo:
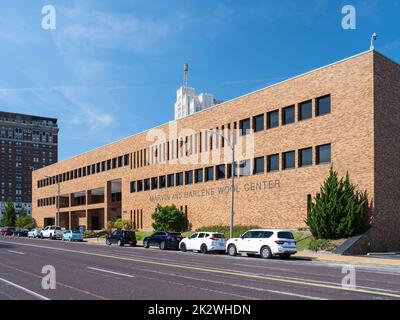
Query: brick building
(27,143)
(287,135)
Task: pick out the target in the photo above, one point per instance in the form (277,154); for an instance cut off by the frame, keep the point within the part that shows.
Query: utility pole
(231,145)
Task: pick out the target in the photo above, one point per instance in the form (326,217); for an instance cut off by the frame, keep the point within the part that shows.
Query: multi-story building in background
(188,103)
(27,143)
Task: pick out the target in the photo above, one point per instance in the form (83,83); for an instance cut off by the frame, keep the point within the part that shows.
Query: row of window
(203,141)
(103,166)
(51,201)
(274,162)
(288,115)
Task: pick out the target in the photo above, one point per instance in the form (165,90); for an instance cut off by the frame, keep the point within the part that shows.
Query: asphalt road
(90,271)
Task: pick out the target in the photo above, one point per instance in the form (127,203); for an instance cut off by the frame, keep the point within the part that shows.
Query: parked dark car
(121,238)
(7,231)
(20,233)
(163,239)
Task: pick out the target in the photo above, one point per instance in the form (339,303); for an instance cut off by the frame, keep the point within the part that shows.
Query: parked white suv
(204,242)
(52,232)
(34,233)
(265,243)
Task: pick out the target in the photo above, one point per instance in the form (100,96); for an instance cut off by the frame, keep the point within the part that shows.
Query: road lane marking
(112,272)
(16,252)
(221,271)
(234,285)
(58,282)
(37,295)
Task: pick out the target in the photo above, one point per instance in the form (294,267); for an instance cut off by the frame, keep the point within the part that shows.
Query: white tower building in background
(187,102)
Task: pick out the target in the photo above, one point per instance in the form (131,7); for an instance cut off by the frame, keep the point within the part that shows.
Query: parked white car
(204,242)
(52,232)
(265,243)
(34,233)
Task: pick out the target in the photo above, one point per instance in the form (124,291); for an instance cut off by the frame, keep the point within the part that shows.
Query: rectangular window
(258,167)
(171,181)
(126,160)
(323,105)
(146,184)
(162,181)
(323,154)
(120,161)
(189,177)
(273,163)
(229,170)
(289,160)
(244,168)
(154,183)
(305,157)
(108,164)
(198,176)
(179,179)
(133,186)
(114,163)
(258,123)
(288,115)
(140,185)
(244,127)
(103,166)
(220,172)
(305,110)
(209,174)
(273,119)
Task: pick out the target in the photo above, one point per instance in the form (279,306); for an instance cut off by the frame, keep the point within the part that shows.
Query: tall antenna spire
(186,71)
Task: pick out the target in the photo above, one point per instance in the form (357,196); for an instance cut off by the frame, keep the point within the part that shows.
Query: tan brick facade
(356,128)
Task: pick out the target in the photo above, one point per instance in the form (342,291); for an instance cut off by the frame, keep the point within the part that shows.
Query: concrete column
(87,219)
(69,220)
(88,197)
(107,201)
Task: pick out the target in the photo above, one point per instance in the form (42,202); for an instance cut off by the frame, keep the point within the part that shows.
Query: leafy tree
(338,212)
(168,218)
(123,224)
(25,221)
(9,215)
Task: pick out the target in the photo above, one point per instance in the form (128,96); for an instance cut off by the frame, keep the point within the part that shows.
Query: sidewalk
(334,258)
(309,255)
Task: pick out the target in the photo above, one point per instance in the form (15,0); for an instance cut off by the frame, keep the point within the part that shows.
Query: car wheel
(204,249)
(183,247)
(108,242)
(145,244)
(120,243)
(285,256)
(266,252)
(163,245)
(232,250)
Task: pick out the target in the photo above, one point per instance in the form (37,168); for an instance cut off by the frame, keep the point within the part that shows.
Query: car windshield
(285,235)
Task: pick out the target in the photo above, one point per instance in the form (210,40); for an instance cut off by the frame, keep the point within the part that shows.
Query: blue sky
(111,68)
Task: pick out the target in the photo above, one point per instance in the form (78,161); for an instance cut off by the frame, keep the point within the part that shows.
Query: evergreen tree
(338,211)
(168,218)
(9,215)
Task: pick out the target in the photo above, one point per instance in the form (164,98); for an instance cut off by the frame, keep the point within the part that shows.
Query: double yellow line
(221,271)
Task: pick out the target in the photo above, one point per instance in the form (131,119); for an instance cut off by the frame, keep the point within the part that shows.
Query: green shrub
(338,212)
(321,245)
(168,218)
(122,224)
(25,221)
(237,230)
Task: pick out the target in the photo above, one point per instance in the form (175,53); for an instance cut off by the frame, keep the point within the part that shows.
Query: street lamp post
(57,201)
(232,146)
